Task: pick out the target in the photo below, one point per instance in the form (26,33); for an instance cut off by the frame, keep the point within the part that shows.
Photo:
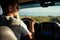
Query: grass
(41,18)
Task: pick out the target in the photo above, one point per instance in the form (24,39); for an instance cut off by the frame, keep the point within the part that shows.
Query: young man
(10,18)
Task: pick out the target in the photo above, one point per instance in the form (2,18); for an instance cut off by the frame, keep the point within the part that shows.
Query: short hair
(6,3)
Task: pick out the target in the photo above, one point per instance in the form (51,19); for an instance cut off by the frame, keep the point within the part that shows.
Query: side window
(0,10)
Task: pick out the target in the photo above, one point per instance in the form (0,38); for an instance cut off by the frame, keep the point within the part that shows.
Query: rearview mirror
(47,3)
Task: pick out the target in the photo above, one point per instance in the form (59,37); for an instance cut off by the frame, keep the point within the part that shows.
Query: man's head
(9,6)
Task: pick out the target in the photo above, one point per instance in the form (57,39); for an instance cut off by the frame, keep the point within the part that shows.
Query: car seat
(6,33)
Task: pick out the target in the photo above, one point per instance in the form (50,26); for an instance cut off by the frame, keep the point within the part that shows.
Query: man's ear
(10,8)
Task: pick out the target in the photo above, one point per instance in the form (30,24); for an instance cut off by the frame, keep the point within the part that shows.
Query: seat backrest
(6,33)
(47,31)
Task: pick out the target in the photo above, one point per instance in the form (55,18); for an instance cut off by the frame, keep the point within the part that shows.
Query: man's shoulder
(4,17)
(3,20)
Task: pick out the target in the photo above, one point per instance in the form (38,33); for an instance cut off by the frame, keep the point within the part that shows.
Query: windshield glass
(32,9)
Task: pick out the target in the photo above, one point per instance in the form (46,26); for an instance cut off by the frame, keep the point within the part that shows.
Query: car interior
(45,28)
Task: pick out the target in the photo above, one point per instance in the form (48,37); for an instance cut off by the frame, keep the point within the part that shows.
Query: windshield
(32,9)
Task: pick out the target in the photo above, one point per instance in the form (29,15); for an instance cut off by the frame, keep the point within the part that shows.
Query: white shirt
(17,26)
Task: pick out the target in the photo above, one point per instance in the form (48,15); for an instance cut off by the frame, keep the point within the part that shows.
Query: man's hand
(30,35)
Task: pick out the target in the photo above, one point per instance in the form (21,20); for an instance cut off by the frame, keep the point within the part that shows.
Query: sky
(39,11)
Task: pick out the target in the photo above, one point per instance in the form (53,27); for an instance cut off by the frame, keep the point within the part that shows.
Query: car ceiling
(22,1)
